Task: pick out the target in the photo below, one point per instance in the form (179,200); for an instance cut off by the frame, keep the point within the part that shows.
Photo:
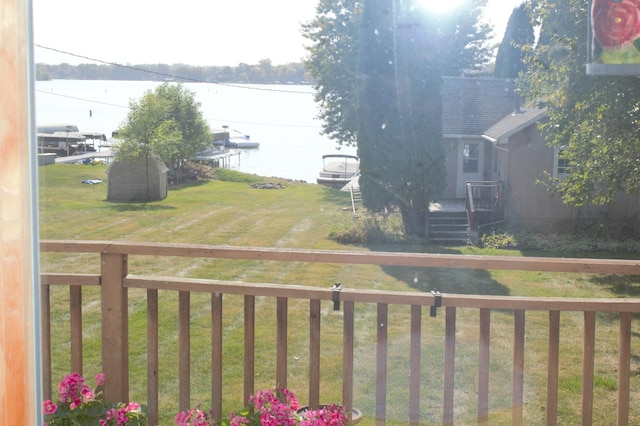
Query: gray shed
(137,180)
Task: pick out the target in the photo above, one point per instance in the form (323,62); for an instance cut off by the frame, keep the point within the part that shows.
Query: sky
(192,32)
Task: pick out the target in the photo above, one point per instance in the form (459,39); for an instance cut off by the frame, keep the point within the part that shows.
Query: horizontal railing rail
(115,281)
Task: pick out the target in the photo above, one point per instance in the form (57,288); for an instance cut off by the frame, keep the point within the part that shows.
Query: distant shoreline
(262,73)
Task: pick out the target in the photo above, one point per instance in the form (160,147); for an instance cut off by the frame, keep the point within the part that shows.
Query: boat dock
(88,155)
(218,158)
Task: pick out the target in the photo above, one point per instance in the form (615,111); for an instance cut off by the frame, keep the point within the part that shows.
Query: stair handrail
(353,201)
(475,201)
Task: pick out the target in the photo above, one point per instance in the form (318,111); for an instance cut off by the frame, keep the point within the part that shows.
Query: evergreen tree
(333,56)
(332,63)
(399,108)
(518,39)
(377,67)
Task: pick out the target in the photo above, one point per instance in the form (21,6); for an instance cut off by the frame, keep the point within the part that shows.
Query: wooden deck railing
(115,281)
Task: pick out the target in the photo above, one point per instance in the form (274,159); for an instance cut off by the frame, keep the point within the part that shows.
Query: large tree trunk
(415,221)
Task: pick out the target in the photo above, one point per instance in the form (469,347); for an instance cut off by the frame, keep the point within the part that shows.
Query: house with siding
(496,158)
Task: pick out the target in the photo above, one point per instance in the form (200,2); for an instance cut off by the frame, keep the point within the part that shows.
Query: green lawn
(302,216)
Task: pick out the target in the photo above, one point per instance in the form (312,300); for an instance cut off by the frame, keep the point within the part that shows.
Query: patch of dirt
(190,173)
(268,185)
(204,172)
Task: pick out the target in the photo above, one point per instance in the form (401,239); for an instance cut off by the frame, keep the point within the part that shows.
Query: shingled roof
(513,123)
(470,106)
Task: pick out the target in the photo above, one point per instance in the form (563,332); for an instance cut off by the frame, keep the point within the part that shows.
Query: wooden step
(448,228)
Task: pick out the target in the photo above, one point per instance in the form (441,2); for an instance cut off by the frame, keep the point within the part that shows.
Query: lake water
(280,117)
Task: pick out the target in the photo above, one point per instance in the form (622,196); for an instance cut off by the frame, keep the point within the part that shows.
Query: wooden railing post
(115,334)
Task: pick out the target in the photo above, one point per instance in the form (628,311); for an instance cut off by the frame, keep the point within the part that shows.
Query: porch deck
(453,206)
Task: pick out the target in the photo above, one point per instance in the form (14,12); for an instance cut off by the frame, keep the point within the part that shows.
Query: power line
(82,99)
(194,80)
(214,119)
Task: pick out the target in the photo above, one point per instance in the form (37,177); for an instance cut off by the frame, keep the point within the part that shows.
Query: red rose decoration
(615,22)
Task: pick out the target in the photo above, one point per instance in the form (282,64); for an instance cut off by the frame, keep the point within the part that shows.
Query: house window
(560,164)
(471,158)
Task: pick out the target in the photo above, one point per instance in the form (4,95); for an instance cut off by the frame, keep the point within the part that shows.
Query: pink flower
(193,417)
(100,379)
(133,406)
(49,407)
(238,420)
(73,388)
(87,395)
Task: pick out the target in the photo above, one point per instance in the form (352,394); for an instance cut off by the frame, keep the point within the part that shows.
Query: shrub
(371,229)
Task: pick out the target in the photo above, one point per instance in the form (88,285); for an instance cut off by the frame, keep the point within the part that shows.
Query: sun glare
(440,6)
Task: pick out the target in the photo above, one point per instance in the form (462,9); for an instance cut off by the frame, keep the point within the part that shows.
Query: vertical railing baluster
(282,316)
(415,372)
(517,396)
(249,347)
(449,365)
(624,367)
(75,322)
(483,366)
(216,354)
(184,349)
(347,356)
(381,363)
(588,357)
(314,353)
(553,367)
(152,356)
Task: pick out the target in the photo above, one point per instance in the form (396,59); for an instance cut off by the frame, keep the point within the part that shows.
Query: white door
(470,165)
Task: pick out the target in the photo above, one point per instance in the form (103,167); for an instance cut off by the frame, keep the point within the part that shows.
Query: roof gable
(470,106)
(513,123)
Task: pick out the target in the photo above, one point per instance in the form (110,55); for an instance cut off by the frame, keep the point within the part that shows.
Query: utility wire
(195,80)
(172,76)
(214,119)
(82,99)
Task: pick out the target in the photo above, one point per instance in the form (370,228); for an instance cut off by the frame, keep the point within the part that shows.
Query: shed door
(470,165)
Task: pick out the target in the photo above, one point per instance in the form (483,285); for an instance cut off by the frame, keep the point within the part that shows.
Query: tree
(518,39)
(332,63)
(333,57)
(377,68)
(166,122)
(462,38)
(399,109)
(593,120)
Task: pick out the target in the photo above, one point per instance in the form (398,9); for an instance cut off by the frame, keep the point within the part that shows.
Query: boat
(338,170)
(240,141)
(224,137)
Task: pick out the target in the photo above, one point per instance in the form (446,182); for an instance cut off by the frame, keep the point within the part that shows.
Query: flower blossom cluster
(81,405)
(269,408)
(192,417)
(74,390)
